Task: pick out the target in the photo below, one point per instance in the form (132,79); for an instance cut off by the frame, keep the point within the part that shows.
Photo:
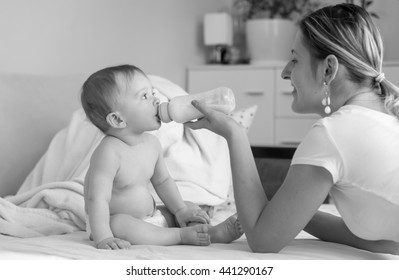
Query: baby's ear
(116,120)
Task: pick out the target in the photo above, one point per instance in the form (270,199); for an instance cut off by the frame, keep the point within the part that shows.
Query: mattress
(77,245)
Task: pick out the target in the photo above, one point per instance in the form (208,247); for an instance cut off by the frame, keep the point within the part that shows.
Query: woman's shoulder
(353,124)
(353,117)
(355,112)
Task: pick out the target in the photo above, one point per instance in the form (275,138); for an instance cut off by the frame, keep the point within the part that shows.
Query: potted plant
(270,26)
(364,4)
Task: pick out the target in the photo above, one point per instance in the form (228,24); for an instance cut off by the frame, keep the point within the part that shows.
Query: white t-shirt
(360,148)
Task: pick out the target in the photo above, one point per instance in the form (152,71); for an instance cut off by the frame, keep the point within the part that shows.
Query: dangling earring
(326,100)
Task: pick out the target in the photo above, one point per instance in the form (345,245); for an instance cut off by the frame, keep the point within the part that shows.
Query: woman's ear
(331,65)
(116,120)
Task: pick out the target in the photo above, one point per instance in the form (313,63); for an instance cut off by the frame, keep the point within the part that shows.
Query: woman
(351,153)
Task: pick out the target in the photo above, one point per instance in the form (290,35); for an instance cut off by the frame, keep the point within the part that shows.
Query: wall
(60,37)
(388,11)
(388,22)
(162,37)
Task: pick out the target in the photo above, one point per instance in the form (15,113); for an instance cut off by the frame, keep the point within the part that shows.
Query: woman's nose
(286,73)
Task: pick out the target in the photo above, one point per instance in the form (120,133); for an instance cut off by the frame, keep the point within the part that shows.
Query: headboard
(32,109)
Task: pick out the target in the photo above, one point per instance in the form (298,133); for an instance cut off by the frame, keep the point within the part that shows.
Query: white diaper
(157,219)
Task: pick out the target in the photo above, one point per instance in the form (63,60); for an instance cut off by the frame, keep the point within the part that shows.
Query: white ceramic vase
(269,41)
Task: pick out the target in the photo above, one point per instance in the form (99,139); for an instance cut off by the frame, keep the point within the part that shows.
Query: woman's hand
(215,121)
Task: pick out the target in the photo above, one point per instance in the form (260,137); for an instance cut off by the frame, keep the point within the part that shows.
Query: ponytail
(390,92)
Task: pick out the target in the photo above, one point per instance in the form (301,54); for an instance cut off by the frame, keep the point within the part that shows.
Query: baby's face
(137,103)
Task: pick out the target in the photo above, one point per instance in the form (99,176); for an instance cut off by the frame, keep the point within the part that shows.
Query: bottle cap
(163,112)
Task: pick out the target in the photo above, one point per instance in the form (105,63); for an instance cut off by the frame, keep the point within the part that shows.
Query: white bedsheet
(76,245)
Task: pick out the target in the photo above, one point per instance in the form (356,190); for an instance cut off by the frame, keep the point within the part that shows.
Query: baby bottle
(179,109)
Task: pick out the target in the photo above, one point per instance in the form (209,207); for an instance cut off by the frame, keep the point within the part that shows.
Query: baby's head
(101,90)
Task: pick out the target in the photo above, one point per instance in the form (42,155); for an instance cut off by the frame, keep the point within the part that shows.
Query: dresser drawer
(250,87)
(290,131)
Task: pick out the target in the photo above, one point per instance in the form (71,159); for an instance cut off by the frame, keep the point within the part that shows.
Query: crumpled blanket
(50,201)
(50,209)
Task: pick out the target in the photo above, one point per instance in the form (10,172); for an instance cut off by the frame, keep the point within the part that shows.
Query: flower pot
(269,40)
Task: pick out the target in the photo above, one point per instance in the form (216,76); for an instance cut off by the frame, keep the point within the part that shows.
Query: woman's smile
(293,90)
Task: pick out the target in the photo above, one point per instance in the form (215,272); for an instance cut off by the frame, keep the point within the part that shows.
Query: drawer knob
(291,142)
(254,93)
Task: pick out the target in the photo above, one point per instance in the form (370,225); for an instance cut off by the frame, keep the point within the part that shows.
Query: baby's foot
(227,231)
(195,235)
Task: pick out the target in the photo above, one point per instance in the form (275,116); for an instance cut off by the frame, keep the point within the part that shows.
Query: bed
(45,149)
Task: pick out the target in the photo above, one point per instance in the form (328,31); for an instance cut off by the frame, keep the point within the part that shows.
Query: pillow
(32,109)
(245,116)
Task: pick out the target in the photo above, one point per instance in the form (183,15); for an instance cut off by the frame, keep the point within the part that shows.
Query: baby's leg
(170,218)
(138,232)
(226,231)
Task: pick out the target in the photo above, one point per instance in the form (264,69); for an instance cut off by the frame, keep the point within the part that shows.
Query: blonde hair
(348,32)
(100,92)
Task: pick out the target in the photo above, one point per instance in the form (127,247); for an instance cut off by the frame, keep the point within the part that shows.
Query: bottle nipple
(163,112)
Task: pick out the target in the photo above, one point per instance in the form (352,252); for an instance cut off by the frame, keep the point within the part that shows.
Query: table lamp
(218,34)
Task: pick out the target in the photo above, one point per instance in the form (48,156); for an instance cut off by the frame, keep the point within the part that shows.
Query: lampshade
(218,29)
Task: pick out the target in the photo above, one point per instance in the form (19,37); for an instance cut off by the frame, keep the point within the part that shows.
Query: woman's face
(305,79)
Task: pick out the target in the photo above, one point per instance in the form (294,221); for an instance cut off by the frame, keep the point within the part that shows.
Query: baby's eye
(145,96)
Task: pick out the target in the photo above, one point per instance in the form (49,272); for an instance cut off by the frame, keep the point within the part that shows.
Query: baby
(121,211)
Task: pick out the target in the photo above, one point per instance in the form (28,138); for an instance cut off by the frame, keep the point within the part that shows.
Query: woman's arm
(268,225)
(330,228)
(271,226)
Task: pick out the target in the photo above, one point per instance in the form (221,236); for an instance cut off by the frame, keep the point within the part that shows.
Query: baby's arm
(168,191)
(103,166)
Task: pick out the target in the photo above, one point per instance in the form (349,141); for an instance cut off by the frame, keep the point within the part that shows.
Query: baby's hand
(191,214)
(112,243)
